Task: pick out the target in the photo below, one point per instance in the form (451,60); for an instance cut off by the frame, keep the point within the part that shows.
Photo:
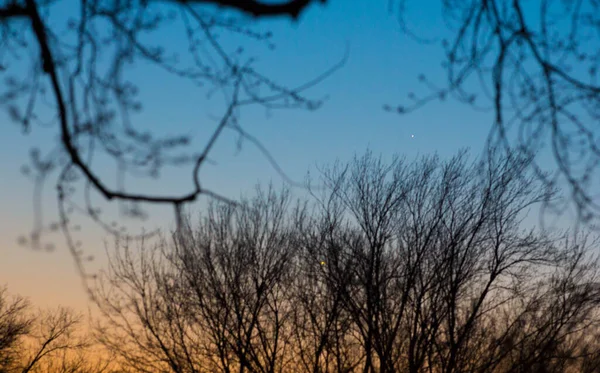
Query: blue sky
(382,68)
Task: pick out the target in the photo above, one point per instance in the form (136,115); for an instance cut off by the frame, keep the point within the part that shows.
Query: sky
(382,67)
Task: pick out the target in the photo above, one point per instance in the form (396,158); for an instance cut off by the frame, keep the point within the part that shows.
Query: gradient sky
(382,67)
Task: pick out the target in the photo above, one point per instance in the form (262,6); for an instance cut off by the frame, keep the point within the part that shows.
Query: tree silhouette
(52,334)
(14,323)
(50,341)
(75,69)
(403,266)
(534,66)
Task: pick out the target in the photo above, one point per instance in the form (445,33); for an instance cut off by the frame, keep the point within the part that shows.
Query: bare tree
(408,266)
(53,333)
(239,265)
(438,253)
(15,322)
(534,66)
(554,323)
(324,335)
(79,66)
(81,360)
(52,341)
(212,300)
(138,318)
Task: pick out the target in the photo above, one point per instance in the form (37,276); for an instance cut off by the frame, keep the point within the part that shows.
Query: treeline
(389,267)
(403,266)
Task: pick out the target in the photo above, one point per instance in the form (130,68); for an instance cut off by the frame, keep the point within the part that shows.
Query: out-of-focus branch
(88,103)
(12,10)
(292,8)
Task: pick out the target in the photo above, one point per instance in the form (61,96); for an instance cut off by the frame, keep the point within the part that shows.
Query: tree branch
(292,8)
(12,10)
(50,68)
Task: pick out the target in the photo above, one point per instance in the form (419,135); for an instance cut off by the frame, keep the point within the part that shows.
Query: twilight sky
(382,68)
